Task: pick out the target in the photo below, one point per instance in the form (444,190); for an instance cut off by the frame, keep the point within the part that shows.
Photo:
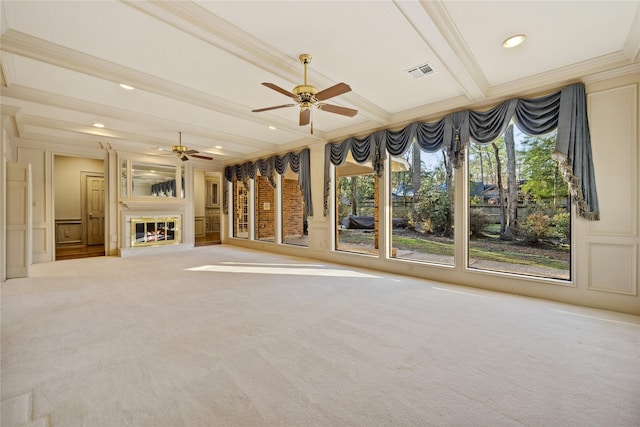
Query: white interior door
(19,224)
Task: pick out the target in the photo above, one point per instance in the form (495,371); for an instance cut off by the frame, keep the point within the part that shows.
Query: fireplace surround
(155,231)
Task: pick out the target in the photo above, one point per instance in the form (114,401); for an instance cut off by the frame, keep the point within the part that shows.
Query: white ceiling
(197,66)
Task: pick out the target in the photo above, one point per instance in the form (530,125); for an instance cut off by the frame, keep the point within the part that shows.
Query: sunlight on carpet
(291,270)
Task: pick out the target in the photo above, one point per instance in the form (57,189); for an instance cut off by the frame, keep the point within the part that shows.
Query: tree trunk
(448,227)
(496,152)
(417,169)
(512,184)
(481,175)
(354,195)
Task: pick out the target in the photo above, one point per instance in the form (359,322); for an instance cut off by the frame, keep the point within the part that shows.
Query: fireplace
(154,231)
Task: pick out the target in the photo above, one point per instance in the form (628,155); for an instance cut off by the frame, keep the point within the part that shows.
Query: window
(240,210)
(356,209)
(519,207)
(294,221)
(265,220)
(421,202)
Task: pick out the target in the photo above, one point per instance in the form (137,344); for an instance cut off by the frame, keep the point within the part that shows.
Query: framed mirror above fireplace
(147,179)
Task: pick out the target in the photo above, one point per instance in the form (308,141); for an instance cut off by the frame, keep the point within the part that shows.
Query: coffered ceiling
(197,66)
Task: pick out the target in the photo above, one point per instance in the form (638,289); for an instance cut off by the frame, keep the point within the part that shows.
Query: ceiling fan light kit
(306,96)
(183,152)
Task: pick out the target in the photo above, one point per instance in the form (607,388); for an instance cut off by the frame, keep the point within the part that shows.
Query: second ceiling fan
(183,152)
(307,96)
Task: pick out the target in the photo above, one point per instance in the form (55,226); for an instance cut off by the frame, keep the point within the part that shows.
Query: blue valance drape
(297,162)
(564,110)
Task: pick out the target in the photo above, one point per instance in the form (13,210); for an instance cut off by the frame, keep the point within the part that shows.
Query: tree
(512,184)
(543,178)
(416,165)
(496,151)
(355,189)
(448,183)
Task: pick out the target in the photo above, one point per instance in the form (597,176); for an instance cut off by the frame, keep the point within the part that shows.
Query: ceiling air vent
(420,71)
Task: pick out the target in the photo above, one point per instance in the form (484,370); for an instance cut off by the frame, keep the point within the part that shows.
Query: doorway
(207,208)
(79,207)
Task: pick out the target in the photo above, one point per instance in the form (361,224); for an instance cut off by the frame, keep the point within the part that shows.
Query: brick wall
(292,208)
(265,218)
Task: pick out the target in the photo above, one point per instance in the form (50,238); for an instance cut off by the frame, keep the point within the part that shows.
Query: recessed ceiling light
(514,41)
(127,87)
(98,125)
(160,149)
(218,147)
(272,127)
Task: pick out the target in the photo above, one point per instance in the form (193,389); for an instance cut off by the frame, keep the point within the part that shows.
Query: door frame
(108,158)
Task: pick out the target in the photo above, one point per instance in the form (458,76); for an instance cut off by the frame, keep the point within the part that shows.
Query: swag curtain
(564,110)
(297,162)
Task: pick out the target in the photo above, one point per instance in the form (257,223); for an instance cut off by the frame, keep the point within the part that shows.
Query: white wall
(4,158)
(199,192)
(67,185)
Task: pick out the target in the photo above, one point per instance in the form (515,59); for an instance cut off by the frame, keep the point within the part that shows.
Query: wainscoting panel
(612,268)
(69,231)
(39,235)
(616,151)
(201,226)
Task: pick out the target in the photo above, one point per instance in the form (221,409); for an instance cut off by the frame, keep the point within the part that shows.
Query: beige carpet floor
(225,336)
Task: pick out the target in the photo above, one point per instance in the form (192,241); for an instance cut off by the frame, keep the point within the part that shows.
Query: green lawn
(507,253)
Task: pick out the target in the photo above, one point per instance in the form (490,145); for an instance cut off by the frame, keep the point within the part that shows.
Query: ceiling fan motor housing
(179,149)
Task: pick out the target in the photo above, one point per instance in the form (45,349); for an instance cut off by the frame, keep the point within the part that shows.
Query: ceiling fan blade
(279,89)
(184,157)
(305,117)
(338,110)
(202,157)
(332,91)
(191,152)
(272,108)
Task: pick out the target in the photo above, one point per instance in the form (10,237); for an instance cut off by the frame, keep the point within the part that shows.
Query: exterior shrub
(478,221)
(562,225)
(536,226)
(431,211)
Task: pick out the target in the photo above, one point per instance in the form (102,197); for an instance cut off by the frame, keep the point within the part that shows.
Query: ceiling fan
(183,152)
(307,96)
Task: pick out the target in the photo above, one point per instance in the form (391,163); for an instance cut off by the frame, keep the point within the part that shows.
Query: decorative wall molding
(613,268)
(619,203)
(69,232)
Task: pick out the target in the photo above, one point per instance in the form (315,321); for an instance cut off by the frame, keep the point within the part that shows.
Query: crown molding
(613,73)
(7,70)
(561,76)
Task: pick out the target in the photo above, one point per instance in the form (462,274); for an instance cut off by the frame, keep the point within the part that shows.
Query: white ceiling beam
(432,22)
